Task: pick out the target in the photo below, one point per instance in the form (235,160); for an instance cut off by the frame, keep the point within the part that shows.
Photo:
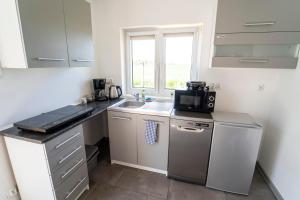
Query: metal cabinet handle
(75,187)
(64,142)
(241,125)
(259,23)
(71,169)
(49,59)
(122,118)
(254,60)
(69,155)
(82,60)
(188,129)
(160,122)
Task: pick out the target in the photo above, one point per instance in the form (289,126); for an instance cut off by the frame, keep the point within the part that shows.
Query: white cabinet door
(153,155)
(79,33)
(235,16)
(233,157)
(122,137)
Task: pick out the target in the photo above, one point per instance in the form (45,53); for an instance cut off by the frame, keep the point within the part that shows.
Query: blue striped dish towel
(151,132)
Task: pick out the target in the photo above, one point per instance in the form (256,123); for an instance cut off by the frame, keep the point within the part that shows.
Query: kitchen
(242,90)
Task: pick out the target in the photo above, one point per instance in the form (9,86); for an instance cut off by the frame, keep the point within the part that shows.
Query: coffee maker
(99,89)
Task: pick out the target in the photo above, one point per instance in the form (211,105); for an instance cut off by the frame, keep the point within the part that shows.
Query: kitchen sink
(131,104)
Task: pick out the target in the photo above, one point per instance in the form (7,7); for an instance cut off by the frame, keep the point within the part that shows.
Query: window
(178,60)
(161,60)
(143,62)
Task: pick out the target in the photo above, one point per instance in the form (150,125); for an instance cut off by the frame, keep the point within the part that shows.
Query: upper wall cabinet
(239,16)
(257,34)
(79,33)
(43,31)
(46,33)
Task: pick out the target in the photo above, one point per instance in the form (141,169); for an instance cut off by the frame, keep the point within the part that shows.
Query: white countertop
(158,108)
(234,118)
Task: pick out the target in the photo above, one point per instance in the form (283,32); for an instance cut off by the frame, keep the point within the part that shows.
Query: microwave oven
(202,101)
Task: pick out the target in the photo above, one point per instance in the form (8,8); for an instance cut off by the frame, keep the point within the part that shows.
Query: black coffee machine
(99,89)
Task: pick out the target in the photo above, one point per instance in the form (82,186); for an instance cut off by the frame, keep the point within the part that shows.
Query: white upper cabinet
(45,33)
(239,16)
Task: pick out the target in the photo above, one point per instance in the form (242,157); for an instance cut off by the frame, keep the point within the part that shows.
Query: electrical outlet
(217,86)
(261,87)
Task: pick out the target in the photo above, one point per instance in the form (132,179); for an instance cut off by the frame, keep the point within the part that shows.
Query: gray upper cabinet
(153,155)
(79,33)
(43,31)
(239,16)
(257,34)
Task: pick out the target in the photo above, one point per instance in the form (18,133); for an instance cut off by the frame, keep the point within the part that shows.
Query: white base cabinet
(128,144)
(55,170)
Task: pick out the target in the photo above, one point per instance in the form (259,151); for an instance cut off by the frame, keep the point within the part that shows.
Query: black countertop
(98,107)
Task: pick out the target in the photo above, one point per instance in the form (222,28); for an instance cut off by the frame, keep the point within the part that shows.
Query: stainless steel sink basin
(131,104)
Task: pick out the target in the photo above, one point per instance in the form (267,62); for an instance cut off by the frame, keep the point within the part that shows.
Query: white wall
(28,92)
(239,87)
(280,151)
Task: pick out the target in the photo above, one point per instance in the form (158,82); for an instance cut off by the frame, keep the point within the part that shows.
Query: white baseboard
(271,185)
(140,167)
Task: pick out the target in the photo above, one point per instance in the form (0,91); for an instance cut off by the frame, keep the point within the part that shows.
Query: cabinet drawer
(242,16)
(73,185)
(61,174)
(255,62)
(66,155)
(64,140)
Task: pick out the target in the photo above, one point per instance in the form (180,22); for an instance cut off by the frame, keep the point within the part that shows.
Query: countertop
(234,118)
(98,107)
(161,108)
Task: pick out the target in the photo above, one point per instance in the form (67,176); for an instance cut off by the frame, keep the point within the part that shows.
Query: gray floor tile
(180,190)
(144,182)
(109,192)
(115,182)
(107,173)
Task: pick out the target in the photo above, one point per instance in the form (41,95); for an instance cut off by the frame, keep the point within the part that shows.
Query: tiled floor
(115,182)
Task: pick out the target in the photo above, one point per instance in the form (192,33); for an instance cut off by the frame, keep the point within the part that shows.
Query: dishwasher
(189,146)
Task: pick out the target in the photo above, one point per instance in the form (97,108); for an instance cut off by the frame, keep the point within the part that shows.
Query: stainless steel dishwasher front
(189,150)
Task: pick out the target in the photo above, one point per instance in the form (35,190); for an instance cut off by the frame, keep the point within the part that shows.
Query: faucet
(137,96)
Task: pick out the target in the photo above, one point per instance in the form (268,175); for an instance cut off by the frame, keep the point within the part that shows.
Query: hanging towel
(151,132)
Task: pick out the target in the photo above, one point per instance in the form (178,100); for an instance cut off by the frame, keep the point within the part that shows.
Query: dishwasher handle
(189,129)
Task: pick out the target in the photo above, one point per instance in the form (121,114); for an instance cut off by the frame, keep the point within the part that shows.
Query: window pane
(179,51)
(143,62)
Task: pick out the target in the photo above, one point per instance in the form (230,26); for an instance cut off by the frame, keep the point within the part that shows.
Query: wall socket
(261,87)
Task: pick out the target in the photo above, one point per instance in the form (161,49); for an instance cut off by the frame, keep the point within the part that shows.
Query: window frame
(160,57)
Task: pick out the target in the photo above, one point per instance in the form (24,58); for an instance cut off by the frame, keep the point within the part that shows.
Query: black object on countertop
(50,121)
(98,107)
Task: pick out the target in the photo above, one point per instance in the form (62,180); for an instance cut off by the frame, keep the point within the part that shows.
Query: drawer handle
(159,122)
(122,118)
(68,156)
(75,187)
(191,130)
(72,168)
(49,59)
(254,60)
(82,60)
(66,141)
(259,23)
